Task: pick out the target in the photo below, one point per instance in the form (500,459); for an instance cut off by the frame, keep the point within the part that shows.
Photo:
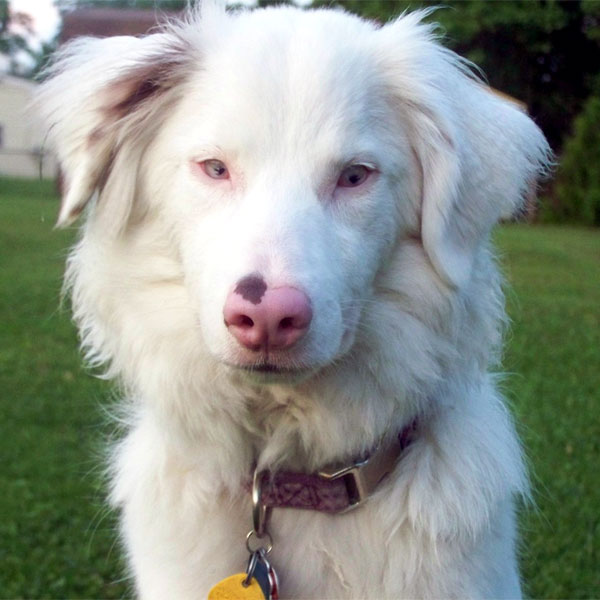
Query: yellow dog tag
(231,588)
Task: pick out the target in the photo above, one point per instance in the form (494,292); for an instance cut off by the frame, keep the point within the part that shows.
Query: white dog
(286,263)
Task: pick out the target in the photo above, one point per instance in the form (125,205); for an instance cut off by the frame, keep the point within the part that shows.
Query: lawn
(57,539)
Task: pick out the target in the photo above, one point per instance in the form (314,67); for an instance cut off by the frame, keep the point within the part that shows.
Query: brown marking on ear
(129,109)
(106,170)
(251,288)
(144,90)
(75,211)
(97,135)
(146,81)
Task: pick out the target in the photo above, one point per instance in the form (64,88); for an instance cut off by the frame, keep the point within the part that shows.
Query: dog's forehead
(292,77)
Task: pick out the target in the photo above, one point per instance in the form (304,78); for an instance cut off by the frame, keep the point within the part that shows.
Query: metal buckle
(356,485)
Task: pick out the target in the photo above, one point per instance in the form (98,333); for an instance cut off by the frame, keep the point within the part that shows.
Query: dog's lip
(266,373)
(265,368)
(269,368)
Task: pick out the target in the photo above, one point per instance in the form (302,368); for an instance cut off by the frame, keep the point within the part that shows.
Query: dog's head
(284,156)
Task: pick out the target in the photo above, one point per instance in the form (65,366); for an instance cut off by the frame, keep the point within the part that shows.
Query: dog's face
(285,161)
(284,192)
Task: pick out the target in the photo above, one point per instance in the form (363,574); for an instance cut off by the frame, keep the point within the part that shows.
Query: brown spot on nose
(251,288)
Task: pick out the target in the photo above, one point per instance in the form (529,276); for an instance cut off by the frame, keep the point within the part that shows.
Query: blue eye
(215,169)
(353,176)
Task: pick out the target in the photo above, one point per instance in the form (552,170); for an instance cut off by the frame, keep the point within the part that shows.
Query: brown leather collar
(334,489)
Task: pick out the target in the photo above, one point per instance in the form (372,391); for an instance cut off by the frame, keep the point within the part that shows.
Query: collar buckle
(355,481)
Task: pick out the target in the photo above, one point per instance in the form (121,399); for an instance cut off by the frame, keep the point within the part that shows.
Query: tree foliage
(26,54)
(577,192)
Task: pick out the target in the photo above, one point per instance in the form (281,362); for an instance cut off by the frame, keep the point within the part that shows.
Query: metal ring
(259,510)
(261,546)
(252,562)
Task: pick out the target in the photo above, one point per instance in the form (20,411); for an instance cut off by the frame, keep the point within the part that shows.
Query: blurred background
(58,539)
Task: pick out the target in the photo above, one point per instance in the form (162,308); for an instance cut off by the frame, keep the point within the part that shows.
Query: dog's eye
(353,176)
(215,169)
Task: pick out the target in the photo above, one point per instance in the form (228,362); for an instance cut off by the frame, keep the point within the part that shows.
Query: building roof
(104,22)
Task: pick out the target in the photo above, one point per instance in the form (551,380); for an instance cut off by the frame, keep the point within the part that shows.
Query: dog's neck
(306,427)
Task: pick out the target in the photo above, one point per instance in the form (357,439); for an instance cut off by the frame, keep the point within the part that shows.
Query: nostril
(246,322)
(286,323)
(239,320)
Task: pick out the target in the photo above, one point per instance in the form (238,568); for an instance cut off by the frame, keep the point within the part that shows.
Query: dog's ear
(101,103)
(479,154)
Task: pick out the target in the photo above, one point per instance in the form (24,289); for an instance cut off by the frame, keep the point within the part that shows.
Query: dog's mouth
(266,368)
(267,372)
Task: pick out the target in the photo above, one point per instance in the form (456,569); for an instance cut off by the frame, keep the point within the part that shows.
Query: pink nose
(262,319)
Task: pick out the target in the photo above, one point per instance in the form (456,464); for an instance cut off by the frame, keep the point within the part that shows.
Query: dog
(286,264)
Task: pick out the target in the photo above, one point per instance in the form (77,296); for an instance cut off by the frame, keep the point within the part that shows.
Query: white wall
(21,142)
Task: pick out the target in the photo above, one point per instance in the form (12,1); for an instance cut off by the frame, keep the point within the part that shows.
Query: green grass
(56,539)
(554,353)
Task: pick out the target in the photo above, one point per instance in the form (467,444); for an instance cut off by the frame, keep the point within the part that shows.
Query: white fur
(407,301)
